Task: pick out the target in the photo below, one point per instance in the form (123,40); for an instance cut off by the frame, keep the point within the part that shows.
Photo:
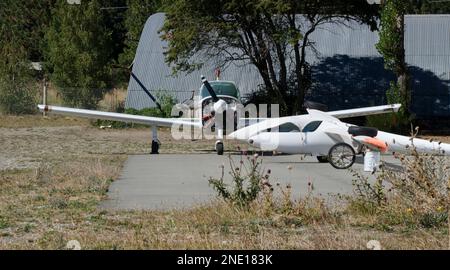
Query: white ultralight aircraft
(317,133)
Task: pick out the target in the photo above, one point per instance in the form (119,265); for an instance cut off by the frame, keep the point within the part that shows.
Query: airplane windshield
(221,88)
(312,126)
(287,127)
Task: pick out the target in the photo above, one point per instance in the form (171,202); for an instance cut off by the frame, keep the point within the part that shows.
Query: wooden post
(44,96)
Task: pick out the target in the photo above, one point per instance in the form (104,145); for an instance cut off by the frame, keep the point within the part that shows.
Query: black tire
(343,160)
(219,148)
(155,147)
(322,159)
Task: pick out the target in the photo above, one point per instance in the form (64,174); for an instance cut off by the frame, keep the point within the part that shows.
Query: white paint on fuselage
(318,143)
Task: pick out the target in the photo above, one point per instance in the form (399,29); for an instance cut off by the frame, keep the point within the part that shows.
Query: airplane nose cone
(238,135)
(232,136)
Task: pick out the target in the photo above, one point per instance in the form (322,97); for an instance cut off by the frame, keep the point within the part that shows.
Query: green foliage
(369,195)
(391,33)
(17,96)
(247,182)
(79,52)
(135,17)
(387,122)
(430,220)
(22,23)
(166,100)
(393,94)
(431,7)
(391,46)
(393,122)
(4,222)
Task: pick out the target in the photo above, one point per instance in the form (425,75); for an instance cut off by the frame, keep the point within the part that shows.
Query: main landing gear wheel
(341,156)
(219,148)
(155,147)
(322,159)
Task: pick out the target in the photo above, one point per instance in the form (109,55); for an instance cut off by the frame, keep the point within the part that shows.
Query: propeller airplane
(316,133)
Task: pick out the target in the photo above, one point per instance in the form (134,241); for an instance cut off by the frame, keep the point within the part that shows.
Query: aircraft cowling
(220,106)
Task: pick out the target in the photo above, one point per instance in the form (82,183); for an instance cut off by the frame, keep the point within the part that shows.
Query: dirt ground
(25,142)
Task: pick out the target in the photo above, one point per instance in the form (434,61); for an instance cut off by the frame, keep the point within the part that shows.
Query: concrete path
(181,180)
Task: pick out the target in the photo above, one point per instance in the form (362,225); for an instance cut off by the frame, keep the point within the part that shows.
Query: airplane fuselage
(315,134)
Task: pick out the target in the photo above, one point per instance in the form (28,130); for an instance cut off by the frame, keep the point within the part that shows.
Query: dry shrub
(251,191)
(247,181)
(421,188)
(416,194)
(422,184)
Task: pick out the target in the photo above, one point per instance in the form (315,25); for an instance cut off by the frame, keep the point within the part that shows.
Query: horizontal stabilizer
(365,111)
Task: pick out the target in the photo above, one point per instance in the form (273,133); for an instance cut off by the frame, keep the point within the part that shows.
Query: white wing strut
(129,118)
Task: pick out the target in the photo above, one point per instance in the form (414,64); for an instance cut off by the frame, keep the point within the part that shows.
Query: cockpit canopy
(222,88)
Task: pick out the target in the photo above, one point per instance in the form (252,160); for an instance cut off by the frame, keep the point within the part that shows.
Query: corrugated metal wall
(427,47)
(347,71)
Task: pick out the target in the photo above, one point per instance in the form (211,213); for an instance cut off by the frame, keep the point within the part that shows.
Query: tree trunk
(403,78)
(300,61)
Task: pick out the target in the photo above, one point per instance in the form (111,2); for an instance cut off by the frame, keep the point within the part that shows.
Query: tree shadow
(344,82)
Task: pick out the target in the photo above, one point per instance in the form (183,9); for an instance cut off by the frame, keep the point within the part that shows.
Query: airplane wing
(122,117)
(365,111)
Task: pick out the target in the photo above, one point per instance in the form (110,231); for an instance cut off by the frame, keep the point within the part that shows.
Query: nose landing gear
(219,148)
(322,159)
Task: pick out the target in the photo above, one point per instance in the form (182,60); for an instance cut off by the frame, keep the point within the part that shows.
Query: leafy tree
(22,24)
(391,46)
(17,95)
(135,17)
(268,33)
(80,49)
(114,12)
(431,7)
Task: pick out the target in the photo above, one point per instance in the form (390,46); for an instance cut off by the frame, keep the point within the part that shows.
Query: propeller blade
(210,89)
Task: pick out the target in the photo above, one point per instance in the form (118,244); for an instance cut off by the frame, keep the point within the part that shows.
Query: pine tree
(22,24)
(135,17)
(79,52)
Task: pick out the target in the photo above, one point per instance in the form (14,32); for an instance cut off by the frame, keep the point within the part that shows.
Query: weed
(247,181)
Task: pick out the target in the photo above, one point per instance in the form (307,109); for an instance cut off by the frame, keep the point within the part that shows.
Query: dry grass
(113,100)
(55,172)
(32,121)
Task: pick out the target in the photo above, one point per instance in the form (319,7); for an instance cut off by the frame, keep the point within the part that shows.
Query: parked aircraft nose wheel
(322,159)
(219,148)
(341,156)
